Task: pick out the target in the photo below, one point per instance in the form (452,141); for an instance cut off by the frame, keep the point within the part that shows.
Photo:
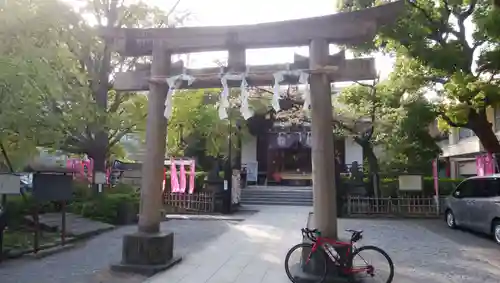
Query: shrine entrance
(151,250)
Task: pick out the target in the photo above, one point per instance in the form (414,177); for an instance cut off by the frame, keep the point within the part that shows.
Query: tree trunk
(373,168)
(98,156)
(101,137)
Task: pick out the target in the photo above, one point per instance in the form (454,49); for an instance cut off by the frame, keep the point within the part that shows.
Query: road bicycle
(349,260)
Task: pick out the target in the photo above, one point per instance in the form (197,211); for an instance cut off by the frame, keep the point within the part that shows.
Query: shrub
(106,206)
(18,207)
(389,186)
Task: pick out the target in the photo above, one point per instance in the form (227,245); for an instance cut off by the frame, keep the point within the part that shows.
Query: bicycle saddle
(354,231)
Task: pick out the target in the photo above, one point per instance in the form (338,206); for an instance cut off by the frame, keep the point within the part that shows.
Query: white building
(462,146)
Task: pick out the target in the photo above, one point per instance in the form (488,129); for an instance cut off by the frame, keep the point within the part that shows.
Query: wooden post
(323,164)
(156,131)
(36,234)
(63,223)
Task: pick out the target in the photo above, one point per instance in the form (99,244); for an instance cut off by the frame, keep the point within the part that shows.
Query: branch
(117,136)
(451,123)
(342,125)
(6,157)
(436,80)
(472,6)
(437,25)
(170,12)
(363,84)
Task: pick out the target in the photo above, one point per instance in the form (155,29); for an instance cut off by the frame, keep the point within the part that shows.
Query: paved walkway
(422,250)
(251,251)
(89,262)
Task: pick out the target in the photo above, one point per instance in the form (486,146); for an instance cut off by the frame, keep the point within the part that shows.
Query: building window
(497,118)
(464,133)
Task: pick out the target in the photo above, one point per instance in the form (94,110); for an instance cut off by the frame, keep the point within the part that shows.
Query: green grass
(23,238)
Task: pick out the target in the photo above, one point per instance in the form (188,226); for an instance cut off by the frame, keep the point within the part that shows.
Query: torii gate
(149,250)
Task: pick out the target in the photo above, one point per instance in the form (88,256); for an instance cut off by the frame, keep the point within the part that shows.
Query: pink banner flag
(182,182)
(480,165)
(174,183)
(489,165)
(191,177)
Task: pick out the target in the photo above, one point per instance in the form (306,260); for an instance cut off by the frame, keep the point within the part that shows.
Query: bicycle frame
(349,269)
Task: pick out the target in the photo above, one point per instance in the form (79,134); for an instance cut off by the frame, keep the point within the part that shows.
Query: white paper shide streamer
(278,78)
(304,79)
(224,99)
(245,110)
(224,96)
(174,83)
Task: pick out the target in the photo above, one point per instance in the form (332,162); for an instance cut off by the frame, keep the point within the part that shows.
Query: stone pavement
(90,261)
(422,250)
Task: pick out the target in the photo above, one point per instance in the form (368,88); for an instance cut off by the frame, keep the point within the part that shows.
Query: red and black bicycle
(351,261)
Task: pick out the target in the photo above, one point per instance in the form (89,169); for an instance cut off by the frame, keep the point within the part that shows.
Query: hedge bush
(105,206)
(389,186)
(18,207)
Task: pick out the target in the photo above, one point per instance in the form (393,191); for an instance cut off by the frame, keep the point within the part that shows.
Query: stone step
(297,196)
(276,202)
(277,193)
(261,197)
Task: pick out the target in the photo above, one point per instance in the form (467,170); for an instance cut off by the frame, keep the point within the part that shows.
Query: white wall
(467,168)
(353,152)
(249,149)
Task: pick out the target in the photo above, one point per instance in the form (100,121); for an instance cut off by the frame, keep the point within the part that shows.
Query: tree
(452,49)
(108,115)
(408,144)
(363,116)
(381,115)
(32,71)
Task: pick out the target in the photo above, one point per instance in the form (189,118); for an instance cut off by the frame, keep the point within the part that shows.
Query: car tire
(450,219)
(496,231)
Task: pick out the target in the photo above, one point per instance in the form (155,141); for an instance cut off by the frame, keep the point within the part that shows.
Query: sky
(237,12)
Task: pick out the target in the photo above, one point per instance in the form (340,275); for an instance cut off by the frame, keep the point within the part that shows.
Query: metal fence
(410,206)
(197,202)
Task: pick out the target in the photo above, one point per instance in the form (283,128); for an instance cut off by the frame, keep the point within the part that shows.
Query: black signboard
(52,187)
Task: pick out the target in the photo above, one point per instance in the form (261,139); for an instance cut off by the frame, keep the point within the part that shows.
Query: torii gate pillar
(323,165)
(150,250)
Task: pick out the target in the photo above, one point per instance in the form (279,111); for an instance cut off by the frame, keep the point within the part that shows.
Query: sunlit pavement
(422,250)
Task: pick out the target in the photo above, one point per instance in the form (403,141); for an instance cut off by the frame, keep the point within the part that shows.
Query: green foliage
(450,48)
(195,125)
(195,129)
(57,90)
(382,115)
(106,206)
(32,71)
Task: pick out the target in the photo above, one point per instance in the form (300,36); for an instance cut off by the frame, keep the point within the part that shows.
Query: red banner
(435,174)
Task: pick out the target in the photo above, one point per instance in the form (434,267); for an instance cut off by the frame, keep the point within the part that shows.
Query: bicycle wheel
(370,262)
(301,264)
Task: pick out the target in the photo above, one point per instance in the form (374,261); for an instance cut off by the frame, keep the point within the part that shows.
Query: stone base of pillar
(147,254)
(305,277)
